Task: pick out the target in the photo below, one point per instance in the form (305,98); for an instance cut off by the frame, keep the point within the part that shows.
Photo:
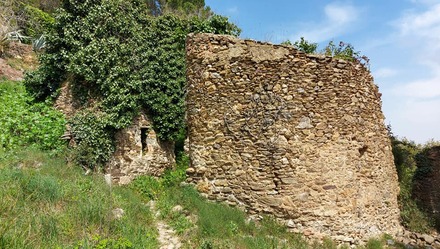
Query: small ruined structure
(302,137)
(138,150)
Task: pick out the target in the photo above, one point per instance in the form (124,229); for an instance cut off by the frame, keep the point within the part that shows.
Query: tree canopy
(179,7)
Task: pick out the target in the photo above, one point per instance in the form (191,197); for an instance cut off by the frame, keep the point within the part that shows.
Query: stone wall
(426,184)
(299,136)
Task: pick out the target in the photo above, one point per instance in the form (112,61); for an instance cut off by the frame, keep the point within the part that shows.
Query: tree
(182,8)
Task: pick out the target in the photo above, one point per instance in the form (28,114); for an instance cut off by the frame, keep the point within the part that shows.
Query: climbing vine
(122,59)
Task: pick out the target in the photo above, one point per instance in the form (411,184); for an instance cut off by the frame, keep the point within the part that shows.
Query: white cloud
(426,24)
(417,120)
(421,89)
(418,113)
(338,19)
(425,1)
(340,14)
(384,73)
(419,32)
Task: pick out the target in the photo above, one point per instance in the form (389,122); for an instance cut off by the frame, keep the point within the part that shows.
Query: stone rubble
(167,237)
(418,240)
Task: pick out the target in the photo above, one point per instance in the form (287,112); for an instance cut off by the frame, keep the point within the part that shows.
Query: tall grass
(45,203)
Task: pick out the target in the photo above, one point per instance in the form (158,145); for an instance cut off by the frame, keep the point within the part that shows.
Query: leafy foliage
(303,45)
(411,163)
(123,59)
(34,21)
(93,136)
(26,124)
(343,50)
(179,7)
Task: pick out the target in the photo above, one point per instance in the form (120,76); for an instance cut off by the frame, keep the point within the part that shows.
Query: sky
(400,37)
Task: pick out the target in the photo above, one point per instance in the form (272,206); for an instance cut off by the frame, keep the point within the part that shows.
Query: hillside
(46,203)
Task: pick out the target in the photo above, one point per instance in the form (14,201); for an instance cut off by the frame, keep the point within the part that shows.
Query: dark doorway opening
(144,135)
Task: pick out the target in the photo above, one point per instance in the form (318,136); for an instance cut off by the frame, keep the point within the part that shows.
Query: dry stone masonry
(139,152)
(300,136)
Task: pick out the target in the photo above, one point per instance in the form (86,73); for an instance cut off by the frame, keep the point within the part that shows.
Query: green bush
(148,186)
(410,164)
(35,21)
(25,124)
(303,45)
(94,137)
(122,59)
(173,177)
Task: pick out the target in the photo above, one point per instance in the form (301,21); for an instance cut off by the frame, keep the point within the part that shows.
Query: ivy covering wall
(121,60)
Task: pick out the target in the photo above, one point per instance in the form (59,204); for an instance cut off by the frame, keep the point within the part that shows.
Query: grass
(45,203)
(205,224)
(215,225)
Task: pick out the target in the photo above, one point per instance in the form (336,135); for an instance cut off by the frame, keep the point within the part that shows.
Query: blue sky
(401,38)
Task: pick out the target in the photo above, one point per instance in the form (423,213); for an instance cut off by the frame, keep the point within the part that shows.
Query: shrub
(35,22)
(303,45)
(125,61)
(408,156)
(147,186)
(94,138)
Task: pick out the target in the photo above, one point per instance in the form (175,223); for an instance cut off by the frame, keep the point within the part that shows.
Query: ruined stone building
(299,136)
(138,150)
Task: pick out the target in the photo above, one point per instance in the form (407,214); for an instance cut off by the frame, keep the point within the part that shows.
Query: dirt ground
(18,59)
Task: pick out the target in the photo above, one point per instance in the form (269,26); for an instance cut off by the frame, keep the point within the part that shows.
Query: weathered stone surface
(295,135)
(138,150)
(428,238)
